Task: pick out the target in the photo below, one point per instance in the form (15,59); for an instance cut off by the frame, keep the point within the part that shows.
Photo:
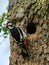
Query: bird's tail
(25,54)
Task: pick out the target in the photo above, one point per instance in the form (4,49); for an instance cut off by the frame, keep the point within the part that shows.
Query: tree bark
(24,12)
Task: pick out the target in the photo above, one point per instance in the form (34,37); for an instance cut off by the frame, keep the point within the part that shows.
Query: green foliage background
(3,20)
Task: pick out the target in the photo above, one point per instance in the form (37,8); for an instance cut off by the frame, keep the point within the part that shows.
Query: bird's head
(9,25)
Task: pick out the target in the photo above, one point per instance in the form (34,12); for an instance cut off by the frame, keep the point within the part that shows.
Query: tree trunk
(24,12)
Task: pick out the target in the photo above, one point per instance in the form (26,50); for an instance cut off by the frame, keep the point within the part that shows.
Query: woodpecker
(20,38)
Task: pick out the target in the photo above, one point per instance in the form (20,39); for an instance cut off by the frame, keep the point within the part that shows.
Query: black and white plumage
(19,36)
(16,32)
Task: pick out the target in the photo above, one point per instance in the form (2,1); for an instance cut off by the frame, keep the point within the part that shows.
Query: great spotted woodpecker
(20,37)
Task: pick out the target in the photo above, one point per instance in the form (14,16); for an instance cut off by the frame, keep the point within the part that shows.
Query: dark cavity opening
(31,28)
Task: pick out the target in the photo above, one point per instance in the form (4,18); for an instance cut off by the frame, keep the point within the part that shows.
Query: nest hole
(31,28)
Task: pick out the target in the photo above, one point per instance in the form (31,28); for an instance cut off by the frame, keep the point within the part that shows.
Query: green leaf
(1,20)
(0,29)
(5,30)
(4,14)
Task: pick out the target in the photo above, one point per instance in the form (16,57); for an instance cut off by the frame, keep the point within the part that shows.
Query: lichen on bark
(24,12)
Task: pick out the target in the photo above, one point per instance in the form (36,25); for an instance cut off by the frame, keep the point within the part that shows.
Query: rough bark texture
(23,12)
